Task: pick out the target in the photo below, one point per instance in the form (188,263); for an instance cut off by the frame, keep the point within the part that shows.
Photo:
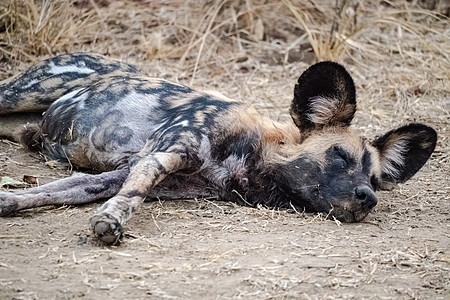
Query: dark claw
(107,229)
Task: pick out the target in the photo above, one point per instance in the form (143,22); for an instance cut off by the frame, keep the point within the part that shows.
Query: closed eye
(341,155)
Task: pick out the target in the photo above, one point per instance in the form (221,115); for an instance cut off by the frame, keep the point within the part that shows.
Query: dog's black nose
(367,196)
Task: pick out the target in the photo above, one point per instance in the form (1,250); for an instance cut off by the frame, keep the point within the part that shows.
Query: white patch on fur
(55,70)
(184,123)
(70,97)
(30,84)
(393,157)
(323,109)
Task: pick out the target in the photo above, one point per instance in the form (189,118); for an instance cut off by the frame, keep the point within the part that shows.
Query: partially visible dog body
(149,137)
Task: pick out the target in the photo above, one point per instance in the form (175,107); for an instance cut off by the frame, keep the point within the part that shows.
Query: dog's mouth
(346,215)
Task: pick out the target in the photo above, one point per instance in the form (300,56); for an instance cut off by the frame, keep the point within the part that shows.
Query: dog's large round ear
(403,151)
(324,96)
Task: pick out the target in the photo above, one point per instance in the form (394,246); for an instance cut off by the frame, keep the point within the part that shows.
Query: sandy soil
(202,249)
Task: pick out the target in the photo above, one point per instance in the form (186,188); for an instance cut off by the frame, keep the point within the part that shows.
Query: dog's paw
(8,205)
(107,228)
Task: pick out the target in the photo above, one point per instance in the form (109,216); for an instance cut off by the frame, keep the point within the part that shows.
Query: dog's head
(335,170)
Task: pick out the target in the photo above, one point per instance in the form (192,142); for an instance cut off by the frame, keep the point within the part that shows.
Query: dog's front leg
(144,175)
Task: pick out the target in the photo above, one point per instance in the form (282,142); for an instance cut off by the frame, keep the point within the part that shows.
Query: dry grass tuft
(36,29)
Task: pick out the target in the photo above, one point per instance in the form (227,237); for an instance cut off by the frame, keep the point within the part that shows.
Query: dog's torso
(116,119)
(103,125)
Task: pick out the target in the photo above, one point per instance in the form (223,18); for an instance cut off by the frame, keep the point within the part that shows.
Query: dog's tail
(38,87)
(24,97)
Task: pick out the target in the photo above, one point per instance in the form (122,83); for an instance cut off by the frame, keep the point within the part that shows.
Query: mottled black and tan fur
(149,137)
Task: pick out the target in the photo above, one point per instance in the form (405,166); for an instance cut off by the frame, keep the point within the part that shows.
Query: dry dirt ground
(203,249)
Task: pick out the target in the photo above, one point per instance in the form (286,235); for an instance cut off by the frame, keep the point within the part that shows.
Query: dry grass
(398,54)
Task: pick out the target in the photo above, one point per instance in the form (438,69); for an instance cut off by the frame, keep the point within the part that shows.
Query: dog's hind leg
(77,189)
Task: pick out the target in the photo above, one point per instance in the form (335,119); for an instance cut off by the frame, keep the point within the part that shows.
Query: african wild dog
(150,138)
